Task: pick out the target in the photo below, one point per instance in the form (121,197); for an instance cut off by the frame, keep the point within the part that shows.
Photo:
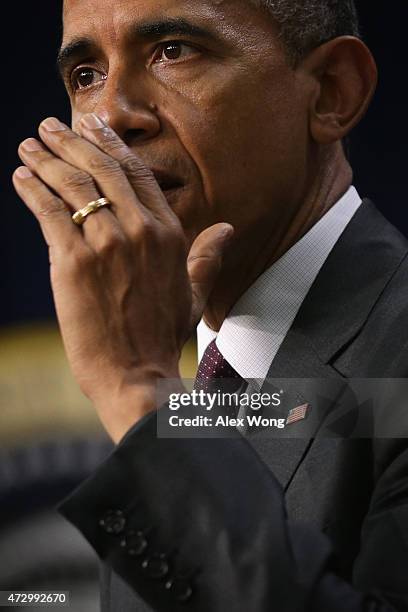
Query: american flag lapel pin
(297,414)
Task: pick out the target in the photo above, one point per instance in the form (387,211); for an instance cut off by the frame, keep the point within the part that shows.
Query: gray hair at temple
(306,24)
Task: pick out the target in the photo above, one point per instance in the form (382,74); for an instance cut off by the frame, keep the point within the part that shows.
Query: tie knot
(213,366)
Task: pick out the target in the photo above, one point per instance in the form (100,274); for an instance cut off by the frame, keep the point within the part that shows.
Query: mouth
(168,183)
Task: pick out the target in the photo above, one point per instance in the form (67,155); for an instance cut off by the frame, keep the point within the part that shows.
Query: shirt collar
(251,335)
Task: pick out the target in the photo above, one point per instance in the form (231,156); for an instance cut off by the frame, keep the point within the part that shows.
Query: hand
(126,290)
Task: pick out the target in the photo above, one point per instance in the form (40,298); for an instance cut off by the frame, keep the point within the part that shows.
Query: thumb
(204,263)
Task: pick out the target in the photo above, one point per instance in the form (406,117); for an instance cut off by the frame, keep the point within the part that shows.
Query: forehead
(104,18)
(103,8)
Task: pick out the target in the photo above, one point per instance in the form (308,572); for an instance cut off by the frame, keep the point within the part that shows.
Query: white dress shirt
(251,335)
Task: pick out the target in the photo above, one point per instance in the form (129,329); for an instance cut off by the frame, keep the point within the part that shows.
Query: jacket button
(180,589)
(135,543)
(156,566)
(113,522)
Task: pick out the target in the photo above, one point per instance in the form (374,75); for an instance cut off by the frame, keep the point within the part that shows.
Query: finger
(52,214)
(105,171)
(204,263)
(140,177)
(76,188)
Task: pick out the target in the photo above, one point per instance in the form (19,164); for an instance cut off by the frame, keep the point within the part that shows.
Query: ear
(344,76)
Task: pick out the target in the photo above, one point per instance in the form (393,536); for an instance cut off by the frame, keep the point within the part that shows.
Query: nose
(128,113)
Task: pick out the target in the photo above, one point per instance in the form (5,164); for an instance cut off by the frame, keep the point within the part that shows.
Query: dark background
(31,91)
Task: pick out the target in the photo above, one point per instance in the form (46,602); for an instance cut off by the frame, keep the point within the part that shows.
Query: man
(209,134)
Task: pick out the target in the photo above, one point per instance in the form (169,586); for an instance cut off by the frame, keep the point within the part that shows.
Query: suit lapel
(315,382)
(351,281)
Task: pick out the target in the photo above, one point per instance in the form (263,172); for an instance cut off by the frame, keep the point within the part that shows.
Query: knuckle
(204,257)
(81,259)
(133,167)
(149,227)
(143,231)
(135,234)
(51,206)
(65,137)
(76,180)
(111,142)
(111,243)
(104,165)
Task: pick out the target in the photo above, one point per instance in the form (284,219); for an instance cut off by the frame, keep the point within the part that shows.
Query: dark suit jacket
(259,524)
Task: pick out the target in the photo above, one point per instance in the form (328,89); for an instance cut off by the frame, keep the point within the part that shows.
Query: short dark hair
(306,24)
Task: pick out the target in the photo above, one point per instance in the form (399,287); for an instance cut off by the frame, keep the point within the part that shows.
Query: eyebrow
(165,27)
(80,48)
(77,49)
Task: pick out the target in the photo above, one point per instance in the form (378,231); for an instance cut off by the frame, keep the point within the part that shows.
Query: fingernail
(228,230)
(92,122)
(23,172)
(31,145)
(53,125)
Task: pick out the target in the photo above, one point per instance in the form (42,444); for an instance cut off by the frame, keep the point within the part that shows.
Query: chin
(185,208)
(182,203)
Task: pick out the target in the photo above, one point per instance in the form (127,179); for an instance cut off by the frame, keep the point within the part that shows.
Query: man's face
(202,91)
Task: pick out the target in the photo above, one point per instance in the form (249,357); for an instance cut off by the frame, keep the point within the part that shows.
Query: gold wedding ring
(80,216)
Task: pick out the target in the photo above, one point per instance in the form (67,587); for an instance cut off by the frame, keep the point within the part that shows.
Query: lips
(167,182)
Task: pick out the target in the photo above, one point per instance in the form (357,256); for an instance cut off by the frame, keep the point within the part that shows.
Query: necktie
(215,374)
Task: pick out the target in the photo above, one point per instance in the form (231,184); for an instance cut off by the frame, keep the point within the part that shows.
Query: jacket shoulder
(380,349)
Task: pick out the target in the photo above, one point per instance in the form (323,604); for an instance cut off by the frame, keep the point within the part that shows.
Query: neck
(254,253)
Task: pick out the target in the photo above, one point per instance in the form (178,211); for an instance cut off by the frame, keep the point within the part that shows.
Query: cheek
(241,142)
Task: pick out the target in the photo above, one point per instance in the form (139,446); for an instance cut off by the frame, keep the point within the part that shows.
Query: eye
(85,77)
(172,51)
